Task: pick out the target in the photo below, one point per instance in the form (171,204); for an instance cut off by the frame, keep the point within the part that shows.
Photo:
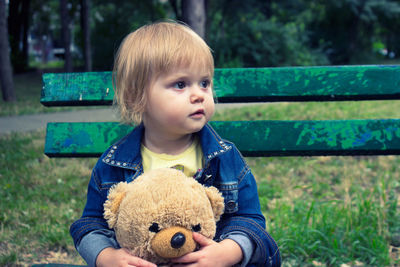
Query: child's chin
(198,128)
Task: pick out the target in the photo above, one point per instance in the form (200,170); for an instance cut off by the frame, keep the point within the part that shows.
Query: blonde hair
(148,52)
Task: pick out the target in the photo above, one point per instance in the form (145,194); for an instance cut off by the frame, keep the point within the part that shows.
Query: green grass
(40,197)
(313,110)
(322,211)
(27,89)
(55,64)
(331,210)
(328,211)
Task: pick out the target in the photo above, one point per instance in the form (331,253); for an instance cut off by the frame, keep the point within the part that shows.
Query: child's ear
(216,200)
(111,207)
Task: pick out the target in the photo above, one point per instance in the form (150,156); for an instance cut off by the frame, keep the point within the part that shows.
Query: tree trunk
(174,5)
(85,21)
(7,84)
(66,35)
(18,23)
(194,14)
(354,30)
(25,31)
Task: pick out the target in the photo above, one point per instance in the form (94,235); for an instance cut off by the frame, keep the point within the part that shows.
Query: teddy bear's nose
(178,240)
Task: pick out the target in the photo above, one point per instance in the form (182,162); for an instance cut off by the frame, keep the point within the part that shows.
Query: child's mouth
(199,113)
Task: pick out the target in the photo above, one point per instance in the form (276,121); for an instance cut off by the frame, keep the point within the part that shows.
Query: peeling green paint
(245,84)
(253,138)
(82,139)
(76,88)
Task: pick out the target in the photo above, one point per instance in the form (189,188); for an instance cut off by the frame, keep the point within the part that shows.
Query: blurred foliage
(249,33)
(112,21)
(349,28)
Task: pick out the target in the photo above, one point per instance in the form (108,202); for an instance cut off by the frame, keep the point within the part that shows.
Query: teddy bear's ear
(111,206)
(216,200)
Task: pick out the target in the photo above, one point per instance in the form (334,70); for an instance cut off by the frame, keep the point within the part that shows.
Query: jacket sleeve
(93,243)
(245,244)
(248,217)
(92,218)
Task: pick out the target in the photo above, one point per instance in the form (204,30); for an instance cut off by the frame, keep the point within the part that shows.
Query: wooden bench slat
(325,83)
(253,138)
(77,89)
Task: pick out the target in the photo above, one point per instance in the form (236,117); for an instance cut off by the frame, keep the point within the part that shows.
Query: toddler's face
(179,102)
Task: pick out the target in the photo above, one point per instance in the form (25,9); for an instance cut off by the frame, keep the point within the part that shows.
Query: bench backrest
(269,138)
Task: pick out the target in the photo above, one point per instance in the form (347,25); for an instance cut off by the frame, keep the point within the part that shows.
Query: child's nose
(197,94)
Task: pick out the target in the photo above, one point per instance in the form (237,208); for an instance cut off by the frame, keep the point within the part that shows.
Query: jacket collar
(211,143)
(126,152)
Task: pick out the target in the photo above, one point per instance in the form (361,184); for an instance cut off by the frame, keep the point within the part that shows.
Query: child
(163,83)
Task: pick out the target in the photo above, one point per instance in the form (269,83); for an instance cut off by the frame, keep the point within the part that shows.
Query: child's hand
(120,257)
(225,253)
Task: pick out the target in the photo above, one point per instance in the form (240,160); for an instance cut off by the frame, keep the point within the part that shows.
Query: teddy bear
(155,215)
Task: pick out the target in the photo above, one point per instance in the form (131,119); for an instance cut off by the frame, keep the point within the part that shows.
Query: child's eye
(179,85)
(205,83)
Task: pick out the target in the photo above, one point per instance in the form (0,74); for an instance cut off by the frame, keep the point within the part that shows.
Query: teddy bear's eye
(196,228)
(154,228)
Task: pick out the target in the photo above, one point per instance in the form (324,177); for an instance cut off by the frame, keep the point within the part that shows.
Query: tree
(7,85)
(350,37)
(261,33)
(193,13)
(18,25)
(389,32)
(85,22)
(66,35)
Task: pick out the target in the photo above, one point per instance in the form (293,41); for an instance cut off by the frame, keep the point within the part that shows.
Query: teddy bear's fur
(154,215)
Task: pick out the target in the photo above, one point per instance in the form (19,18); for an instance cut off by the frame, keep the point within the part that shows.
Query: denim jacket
(224,168)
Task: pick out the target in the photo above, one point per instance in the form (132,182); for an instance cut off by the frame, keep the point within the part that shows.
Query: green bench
(269,138)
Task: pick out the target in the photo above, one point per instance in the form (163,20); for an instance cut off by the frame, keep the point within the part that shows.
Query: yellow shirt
(189,161)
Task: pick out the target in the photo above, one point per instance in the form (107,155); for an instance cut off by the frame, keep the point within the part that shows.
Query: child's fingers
(202,240)
(188,258)
(138,262)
